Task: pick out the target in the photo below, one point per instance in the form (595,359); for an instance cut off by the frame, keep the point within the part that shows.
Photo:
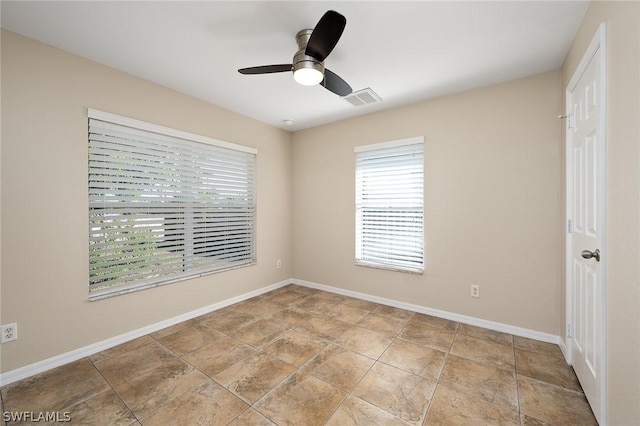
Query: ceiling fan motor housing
(302,60)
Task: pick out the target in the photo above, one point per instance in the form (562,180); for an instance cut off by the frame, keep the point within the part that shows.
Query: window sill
(392,268)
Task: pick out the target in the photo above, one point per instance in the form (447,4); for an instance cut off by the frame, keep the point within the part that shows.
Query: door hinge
(569,228)
(569,331)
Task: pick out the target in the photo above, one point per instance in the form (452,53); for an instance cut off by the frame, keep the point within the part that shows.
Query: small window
(389,205)
(165,205)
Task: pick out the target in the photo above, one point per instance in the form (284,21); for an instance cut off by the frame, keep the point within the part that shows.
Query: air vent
(363,97)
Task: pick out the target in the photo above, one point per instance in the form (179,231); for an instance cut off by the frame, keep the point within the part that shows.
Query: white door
(585,249)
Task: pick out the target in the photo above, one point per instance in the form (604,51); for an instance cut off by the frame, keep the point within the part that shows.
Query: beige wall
(623,197)
(45,94)
(493,203)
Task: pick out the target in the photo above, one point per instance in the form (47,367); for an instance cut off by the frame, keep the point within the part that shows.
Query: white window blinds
(165,205)
(389,205)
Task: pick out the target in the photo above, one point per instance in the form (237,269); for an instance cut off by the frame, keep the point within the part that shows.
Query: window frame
(186,138)
(368,261)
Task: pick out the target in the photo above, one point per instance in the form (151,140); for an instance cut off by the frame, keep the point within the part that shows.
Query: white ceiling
(405,51)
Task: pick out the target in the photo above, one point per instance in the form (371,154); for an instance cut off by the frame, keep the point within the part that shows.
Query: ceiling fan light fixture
(314,45)
(308,76)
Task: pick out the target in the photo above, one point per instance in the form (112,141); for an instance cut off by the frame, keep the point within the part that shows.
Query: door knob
(589,254)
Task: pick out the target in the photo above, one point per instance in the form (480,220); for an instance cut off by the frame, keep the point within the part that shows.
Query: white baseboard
(563,348)
(492,325)
(76,354)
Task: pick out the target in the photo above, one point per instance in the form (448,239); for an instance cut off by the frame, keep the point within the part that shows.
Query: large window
(165,205)
(389,205)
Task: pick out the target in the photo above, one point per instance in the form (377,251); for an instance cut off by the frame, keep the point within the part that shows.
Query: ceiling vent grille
(363,97)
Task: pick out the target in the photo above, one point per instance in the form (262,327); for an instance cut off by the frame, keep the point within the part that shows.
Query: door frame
(596,47)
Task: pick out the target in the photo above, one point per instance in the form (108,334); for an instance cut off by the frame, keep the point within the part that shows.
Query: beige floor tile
(324,328)
(347,313)
(355,412)
(450,407)
(262,307)
(219,355)
(177,327)
(228,320)
(432,321)
(437,338)
(205,317)
(547,369)
(207,404)
(530,421)
(136,362)
(483,351)
(54,390)
(148,377)
(290,317)
(382,323)
(301,400)
(416,359)
(251,417)
(544,348)
(485,334)
(316,305)
(105,408)
(364,341)
(359,303)
(145,395)
(553,404)
(189,339)
(254,376)
(312,369)
(402,394)
(390,311)
(259,333)
(295,348)
(339,367)
(331,297)
(484,381)
(288,297)
(120,349)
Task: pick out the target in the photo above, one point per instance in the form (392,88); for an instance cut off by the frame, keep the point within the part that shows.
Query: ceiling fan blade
(326,34)
(266,69)
(335,84)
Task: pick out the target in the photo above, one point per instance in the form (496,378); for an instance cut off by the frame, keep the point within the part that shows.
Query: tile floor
(299,356)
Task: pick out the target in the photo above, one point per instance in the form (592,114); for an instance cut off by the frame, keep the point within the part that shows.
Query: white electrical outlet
(278,264)
(9,332)
(475,290)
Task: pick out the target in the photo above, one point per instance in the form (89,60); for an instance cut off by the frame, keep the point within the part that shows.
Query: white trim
(597,45)
(478,322)
(155,128)
(563,348)
(386,267)
(391,144)
(76,354)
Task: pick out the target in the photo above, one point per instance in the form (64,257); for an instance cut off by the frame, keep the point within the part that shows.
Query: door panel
(586,302)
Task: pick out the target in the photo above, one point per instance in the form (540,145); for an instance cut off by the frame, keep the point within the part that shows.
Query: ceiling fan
(313,48)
